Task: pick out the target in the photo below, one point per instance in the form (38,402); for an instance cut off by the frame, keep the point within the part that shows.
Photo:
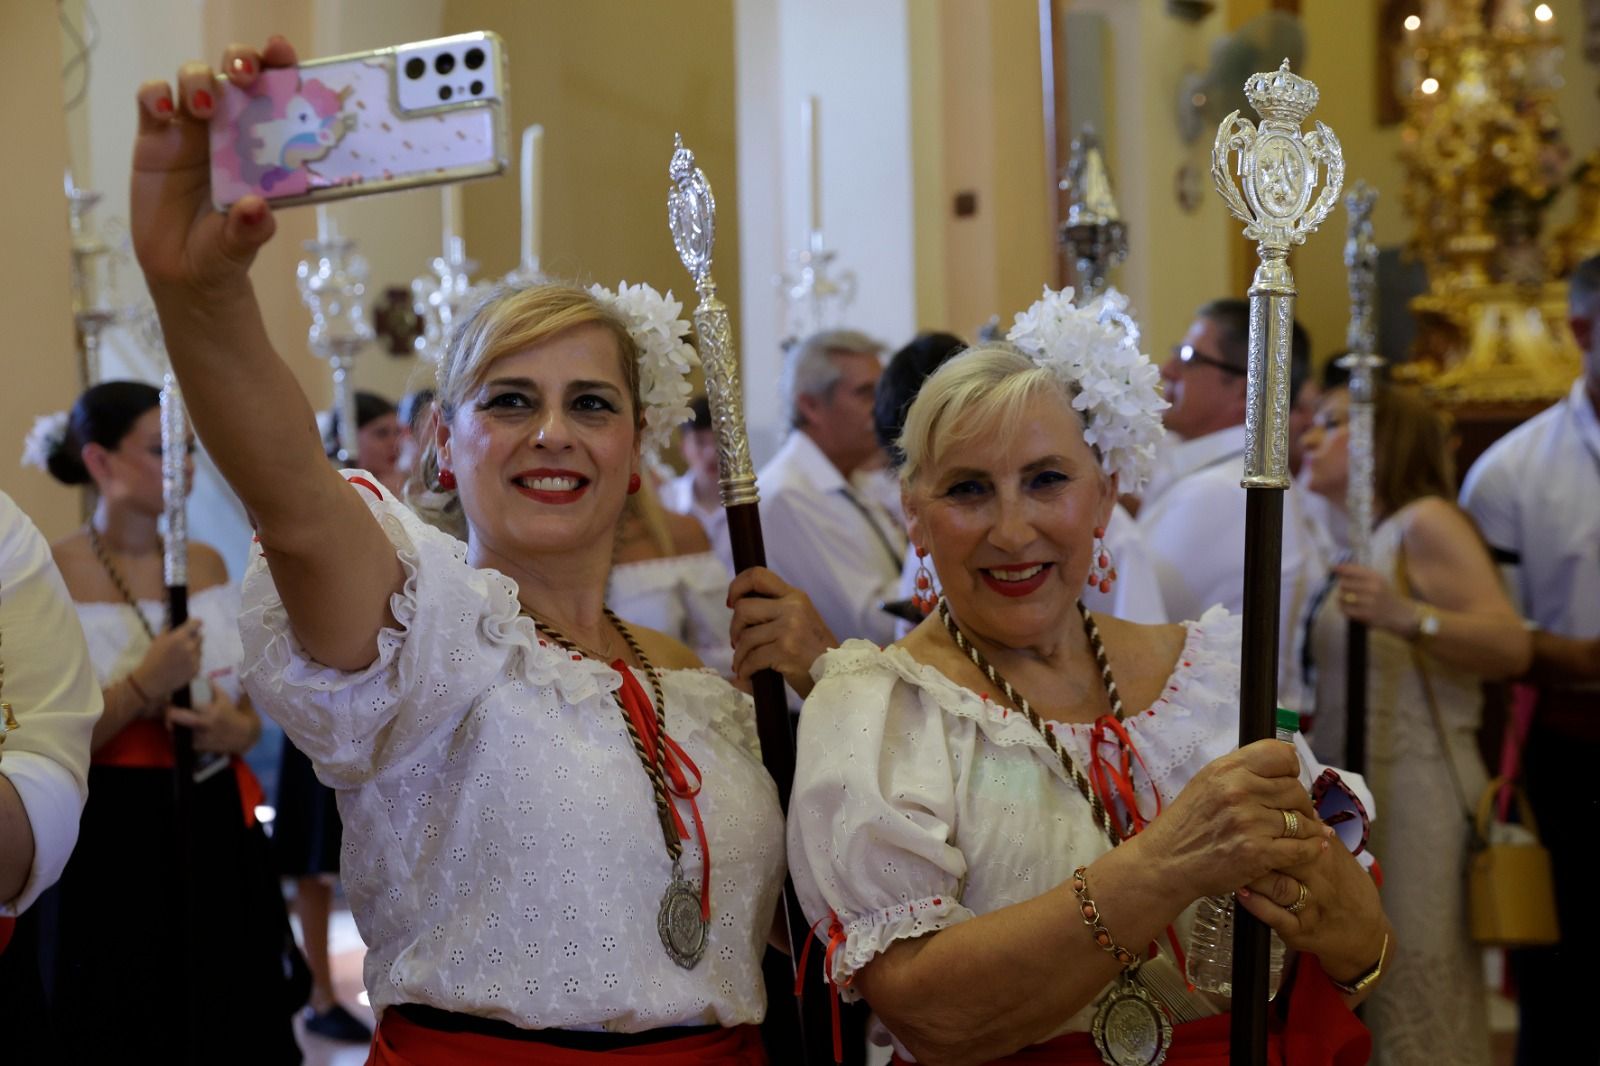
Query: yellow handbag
(1511,899)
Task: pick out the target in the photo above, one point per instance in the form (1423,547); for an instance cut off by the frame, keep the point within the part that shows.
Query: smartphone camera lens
(445,92)
(477,88)
(415,68)
(445,63)
(474,58)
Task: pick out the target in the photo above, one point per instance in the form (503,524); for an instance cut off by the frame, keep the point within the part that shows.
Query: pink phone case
(415,114)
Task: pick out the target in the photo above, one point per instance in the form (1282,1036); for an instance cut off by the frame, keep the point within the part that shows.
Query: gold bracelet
(1091,917)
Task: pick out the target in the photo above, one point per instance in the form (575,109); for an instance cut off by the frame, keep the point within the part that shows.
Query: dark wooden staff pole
(691,212)
(1278,171)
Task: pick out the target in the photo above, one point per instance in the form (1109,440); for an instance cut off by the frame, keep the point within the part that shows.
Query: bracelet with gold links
(1091,917)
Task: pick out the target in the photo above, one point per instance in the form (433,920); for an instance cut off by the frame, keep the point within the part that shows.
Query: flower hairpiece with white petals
(665,356)
(1095,350)
(49,432)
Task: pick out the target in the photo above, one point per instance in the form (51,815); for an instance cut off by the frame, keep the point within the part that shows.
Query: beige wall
(39,369)
(611,81)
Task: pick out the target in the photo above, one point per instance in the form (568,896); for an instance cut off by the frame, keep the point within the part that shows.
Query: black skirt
(131,963)
(306,832)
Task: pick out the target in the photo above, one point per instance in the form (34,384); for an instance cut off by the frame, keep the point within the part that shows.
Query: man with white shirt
(823,535)
(1535,495)
(1193,513)
(55,699)
(697,491)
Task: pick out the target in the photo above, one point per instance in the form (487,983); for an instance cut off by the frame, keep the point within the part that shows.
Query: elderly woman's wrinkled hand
(775,627)
(180,239)
(1328,907)
(1230,826)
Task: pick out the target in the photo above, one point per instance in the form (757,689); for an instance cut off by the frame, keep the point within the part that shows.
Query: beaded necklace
(121,585)
(1133,1024)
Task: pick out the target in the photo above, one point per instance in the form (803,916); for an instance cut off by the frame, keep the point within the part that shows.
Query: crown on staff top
(1282,95)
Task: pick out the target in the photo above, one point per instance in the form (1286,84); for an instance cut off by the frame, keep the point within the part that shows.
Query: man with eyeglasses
(1192,515)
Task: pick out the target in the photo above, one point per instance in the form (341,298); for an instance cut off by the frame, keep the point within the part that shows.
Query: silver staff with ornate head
(1287,183)
(1361,264)
(692,216)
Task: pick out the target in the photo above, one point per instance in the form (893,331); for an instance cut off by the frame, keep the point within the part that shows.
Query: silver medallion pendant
(1131,1028)
(683,931)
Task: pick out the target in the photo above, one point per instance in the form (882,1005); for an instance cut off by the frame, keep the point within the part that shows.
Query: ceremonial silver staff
(1361,264)
(692,216)
(175,573)
(1276,194)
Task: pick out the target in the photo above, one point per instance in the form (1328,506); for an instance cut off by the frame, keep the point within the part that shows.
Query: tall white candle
(532,187)
(811,137)
(452,216)
(327,231)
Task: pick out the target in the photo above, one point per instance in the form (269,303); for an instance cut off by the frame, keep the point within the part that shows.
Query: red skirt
(1319,1031)
(399,1042)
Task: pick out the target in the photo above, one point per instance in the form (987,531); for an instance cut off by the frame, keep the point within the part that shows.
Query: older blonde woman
(997,819)
(559,839)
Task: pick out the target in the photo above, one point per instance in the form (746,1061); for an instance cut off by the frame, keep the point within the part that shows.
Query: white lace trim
(1200,698)
(870,935)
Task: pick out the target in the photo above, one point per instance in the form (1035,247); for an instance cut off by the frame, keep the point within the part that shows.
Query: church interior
(886,167)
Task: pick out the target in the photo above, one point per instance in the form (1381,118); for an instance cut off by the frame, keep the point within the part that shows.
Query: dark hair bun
(103,415)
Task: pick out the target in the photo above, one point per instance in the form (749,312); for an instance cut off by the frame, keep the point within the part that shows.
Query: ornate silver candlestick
(93,279)
(332,286)
(1093,234)
(445,294)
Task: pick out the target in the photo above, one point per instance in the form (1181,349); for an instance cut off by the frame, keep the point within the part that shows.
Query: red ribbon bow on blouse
(683,776)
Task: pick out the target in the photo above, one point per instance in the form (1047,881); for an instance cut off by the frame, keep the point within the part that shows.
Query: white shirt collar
(1186,456)
(800,453)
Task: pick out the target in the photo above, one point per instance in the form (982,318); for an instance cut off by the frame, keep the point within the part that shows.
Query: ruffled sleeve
(873,812)
(455,631)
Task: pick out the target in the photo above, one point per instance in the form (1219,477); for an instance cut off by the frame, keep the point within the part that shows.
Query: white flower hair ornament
(1095,350)
(49,432)
(665,356)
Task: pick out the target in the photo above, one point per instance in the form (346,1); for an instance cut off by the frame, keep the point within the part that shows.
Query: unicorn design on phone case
(286,125)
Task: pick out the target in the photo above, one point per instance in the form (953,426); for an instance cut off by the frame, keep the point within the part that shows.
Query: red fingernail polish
(163,106)
(201,99)
(1243,893)
(252,215)
(243,65)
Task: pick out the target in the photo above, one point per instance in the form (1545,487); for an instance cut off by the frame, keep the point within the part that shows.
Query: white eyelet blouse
(502,854)
(919,803)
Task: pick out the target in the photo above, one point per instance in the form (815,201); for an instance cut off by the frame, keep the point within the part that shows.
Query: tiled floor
(347,951)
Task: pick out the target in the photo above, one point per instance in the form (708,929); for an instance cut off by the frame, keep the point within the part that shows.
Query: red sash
(1320,1031)
(399,1042)
(146,745)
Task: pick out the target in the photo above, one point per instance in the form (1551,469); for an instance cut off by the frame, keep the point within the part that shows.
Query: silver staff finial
(1277,196)
(692,216)
(691,212)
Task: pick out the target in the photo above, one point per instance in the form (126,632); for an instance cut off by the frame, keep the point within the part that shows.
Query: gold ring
(1300,904)
(1347,597)
(1291,823)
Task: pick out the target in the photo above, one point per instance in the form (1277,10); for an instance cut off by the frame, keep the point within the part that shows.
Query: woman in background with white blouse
(946,832)
(118,956)
(559,838)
